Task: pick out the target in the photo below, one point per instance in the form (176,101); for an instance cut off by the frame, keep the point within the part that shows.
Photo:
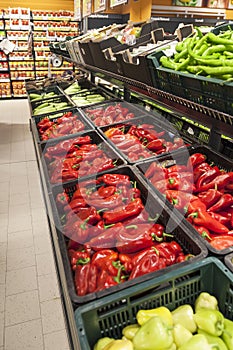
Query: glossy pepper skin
(210,321)
(144,315)
(203,218)
(181,334)
(132,209)
(212,340)
(197,342)
(184,315)
(153,335)
(206,301)
(227,334)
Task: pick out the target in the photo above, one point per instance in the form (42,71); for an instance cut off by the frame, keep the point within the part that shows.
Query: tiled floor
(31,314)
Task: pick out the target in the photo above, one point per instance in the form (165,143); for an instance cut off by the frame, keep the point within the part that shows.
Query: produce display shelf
(217,121)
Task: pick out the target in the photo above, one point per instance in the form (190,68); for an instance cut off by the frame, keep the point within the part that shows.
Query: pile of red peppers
(68,123)
(73,158)
(107,115)
(203,192)
(141,141)
(112,238)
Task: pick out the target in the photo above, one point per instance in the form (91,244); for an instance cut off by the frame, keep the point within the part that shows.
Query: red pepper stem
(108,226)
(131,226)
(82,261)
(153,219)
(100,210)
(117,278)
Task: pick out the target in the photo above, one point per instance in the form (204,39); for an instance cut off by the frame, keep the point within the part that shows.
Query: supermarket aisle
(31,315)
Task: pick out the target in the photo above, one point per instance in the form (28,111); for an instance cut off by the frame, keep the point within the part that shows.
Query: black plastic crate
(228,260)
(97,47)
(178,287)
(106,95)
(160,124)
(53,117)
(53,101)
(155,207)
(95,138)
(44,90)
(181,157)
(83,83)
(136,110)
(85,52)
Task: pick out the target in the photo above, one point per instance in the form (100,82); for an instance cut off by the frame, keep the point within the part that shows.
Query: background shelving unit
(31,32)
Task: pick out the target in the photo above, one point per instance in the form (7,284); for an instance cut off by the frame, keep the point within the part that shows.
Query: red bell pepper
(103,256)
(219,183)
(204,232)
(107,238)
(225,201)
(195,204)
(134,238)
(62,199)
(81,278)
(207,176)
(200,169)
(196,159)
(114,179)
(147,263)
(222,242)
(124,212)
(209,197)
(202,218)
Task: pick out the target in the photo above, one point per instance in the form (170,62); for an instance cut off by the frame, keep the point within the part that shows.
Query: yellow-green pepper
(212,340)
(210,321)
(207,301)
(197,342)
(130,331)
(119,344)
(153,335)
(181,334)
(144,315)
(102,342)
(184,315)
(227,334)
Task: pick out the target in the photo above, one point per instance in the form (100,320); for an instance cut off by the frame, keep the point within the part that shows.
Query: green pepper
(184,315)
(227,334)
(119,344)
(130,331)
(102,342)
(144,315)
(207,301)
(212,340)
(211,321)
(167,62)
(217,40)
(153,335)
(197,342)
(181,334)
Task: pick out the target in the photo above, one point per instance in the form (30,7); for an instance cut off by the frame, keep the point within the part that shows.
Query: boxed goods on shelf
(77,157)
(117,38)
(143,137)
(44,93)
(135,228)
(197,183)
(49,105)
(59,125)
(181,286)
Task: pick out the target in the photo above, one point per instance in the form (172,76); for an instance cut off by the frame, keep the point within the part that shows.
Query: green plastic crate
(109,315)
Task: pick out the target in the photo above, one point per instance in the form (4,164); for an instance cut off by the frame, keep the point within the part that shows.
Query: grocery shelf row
(106,312)
(17,28)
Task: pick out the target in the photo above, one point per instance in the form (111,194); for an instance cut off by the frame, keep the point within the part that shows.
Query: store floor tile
(31,310)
